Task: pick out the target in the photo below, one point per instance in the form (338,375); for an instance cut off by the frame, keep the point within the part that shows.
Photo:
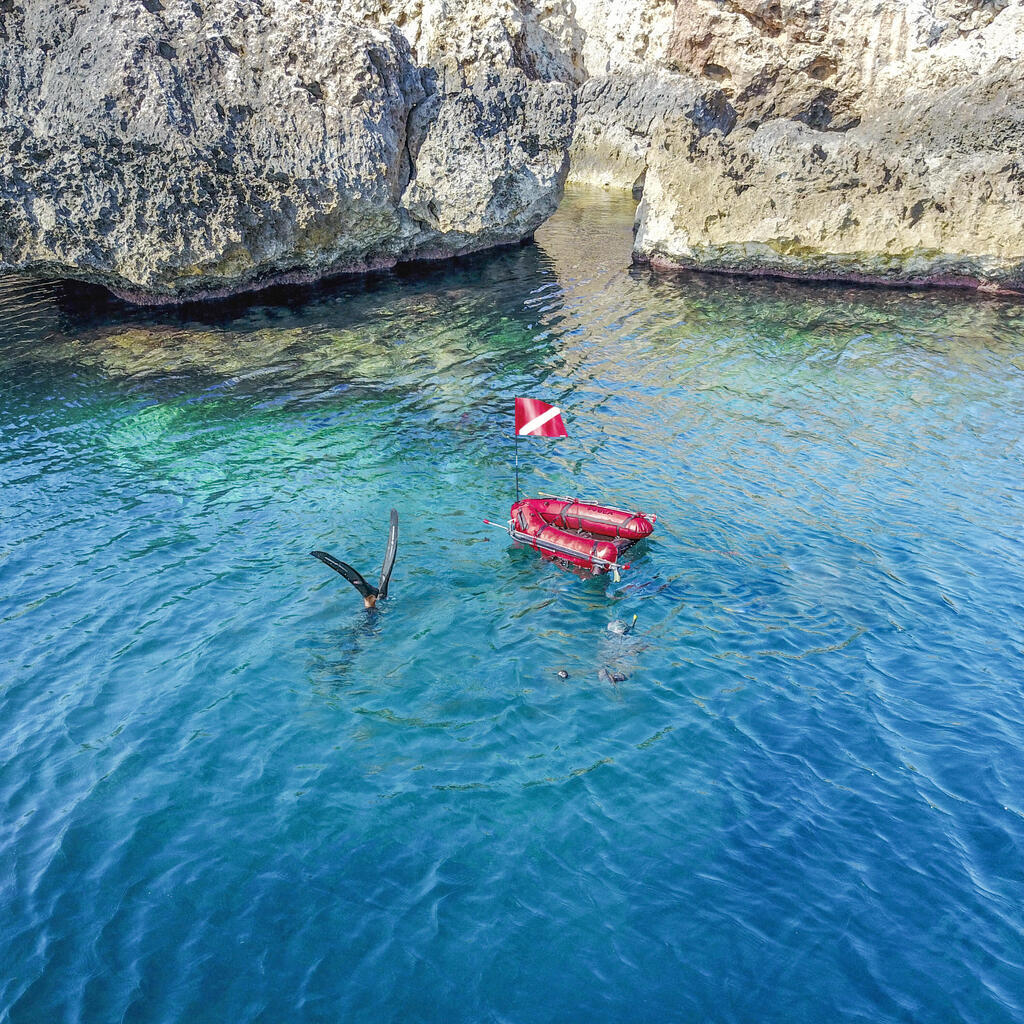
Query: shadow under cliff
(416,324)
(441,325)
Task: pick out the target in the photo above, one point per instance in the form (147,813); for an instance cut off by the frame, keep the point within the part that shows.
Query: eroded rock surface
(624,35)
(544,40)
(169,148)
(174,149)
(811,60)
(928,187)
(618,115)
(553,40)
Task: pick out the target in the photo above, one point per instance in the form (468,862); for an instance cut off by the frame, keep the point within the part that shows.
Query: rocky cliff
(171,149)
(812,60)
(897,163)
(816,138)
(619,114)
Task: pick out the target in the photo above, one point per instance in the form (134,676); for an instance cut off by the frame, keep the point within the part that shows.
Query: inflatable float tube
(583,534)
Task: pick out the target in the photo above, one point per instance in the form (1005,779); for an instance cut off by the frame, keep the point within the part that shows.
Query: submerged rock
(172,150)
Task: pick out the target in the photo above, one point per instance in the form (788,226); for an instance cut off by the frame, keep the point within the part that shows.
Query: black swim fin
(389,556)
(346,570)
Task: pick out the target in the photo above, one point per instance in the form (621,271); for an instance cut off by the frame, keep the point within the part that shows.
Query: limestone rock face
(811,60)
(553,40)
(624,35)
(924,184)
(171,149)
(617,115)
(490,156)
(629,89)
(177,148)
(918,193)
(980,45)
(544,40)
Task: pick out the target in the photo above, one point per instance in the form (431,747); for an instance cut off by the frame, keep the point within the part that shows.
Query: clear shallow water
(227,794)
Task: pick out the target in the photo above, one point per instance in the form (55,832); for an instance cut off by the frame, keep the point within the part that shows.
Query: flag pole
(517,465)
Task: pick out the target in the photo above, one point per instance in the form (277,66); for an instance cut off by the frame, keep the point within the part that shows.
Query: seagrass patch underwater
(227,793)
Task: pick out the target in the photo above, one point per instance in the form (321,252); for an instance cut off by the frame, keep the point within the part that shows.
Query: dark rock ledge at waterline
(177,151)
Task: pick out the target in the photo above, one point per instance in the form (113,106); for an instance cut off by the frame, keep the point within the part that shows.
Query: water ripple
(229,794)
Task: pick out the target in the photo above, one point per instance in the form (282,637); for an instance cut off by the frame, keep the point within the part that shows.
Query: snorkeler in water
(371,595)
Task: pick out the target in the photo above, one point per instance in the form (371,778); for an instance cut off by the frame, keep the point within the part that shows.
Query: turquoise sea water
(228,794)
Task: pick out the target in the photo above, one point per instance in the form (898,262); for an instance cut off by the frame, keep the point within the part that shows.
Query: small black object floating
(607,675)
(562,674)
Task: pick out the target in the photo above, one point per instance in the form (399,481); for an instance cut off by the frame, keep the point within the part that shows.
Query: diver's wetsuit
(371,595)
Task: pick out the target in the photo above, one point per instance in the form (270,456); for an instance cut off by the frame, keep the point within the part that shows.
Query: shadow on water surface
(381,331)
(387,329)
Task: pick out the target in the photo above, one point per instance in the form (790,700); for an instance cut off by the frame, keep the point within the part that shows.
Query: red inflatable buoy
(583,534)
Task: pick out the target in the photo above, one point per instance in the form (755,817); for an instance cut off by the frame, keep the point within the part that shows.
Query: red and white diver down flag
(535,418)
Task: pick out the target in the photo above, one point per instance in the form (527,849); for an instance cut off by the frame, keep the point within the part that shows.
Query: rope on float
(537,544)
(593,501)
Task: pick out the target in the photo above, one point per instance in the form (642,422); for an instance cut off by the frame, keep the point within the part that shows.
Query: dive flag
(535,418)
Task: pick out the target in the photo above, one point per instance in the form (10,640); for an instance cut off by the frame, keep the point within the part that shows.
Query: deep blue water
(228,794)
